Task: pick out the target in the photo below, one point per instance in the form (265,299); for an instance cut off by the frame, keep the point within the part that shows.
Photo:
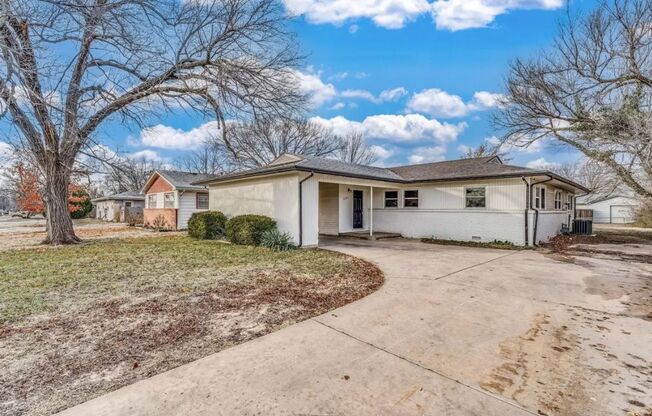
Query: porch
(347,210)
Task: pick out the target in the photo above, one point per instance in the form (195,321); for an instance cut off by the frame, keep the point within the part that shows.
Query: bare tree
(257,144)
(354,149)
(592,91)
(211,158)
(483,150)
(129,174)
(66,67)
(599,180)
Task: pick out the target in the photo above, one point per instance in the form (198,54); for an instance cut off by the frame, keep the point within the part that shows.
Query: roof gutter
(301,206)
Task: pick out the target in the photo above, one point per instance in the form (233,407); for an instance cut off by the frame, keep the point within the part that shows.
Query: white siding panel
(187,205)
(310,208)
(602,211)
(328,208)
(276,197)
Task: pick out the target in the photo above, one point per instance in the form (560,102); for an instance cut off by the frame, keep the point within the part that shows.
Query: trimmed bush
(277,240)
(207,225)
(248,229)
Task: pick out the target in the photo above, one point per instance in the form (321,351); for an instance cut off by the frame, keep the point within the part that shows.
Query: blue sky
(420,78)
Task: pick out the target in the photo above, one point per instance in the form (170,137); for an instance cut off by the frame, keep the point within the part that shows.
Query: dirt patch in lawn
(151,305)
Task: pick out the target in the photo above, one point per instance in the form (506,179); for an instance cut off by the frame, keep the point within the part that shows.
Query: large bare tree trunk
(59,223)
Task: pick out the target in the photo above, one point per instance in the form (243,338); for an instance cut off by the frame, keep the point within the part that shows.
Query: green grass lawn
(78,321)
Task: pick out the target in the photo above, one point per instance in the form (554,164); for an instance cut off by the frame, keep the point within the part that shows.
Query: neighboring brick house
(170,198)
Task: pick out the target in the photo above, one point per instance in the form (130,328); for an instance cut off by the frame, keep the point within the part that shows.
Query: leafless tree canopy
(211,158)
(592,91)
(483,150)
(354,149)
(598,179)
(258,143)
(66,67)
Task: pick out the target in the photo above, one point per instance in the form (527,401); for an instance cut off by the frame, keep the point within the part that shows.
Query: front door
(357,209)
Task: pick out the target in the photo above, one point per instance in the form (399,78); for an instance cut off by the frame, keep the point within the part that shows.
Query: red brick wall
(160,185)
(169,214)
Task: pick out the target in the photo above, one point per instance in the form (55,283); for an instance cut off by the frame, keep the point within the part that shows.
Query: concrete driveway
(454,331)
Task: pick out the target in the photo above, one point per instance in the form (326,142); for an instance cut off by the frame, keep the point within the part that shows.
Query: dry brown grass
(80,321)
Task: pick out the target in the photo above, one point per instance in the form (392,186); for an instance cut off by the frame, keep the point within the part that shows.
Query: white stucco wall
(274,196)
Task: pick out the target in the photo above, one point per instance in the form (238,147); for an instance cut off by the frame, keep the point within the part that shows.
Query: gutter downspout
(527,210)
(536,210)
(301,206)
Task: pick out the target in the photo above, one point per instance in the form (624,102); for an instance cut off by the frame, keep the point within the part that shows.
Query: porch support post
(371,212)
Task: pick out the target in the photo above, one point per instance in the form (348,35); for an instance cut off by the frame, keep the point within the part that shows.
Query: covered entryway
(347,210)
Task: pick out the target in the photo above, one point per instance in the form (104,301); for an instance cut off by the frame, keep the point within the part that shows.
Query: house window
(476,197)
(411,199)
(202,201)
(168,200)
(557,199)
(569,201)
(127,204)
(151,201)
(391,199)
(539,197)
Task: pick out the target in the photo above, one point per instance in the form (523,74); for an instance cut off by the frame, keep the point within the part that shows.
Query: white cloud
(338,106)
(438,103)
(396,128)
(428,154)
(365,95)
(483,100)
(393,94)
(390,14)
(147,154)
(167,137)
(381,152)
(312,85)
(384,96)
(339,76)
(464,148)
(353,29)
(393,14)
(541,163)
(467,14)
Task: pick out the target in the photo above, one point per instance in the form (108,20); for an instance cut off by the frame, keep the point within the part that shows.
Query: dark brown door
(357,209)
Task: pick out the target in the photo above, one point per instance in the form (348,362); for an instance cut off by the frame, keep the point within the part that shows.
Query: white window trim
(174,199)
(197,194)
(385,199)
(149,200)
(540,203)
(411,198)
(558,200)
(485,196)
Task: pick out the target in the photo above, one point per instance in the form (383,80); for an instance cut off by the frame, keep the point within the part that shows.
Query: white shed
(615,209)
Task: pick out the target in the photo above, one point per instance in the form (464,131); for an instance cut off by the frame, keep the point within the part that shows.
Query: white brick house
(478,199)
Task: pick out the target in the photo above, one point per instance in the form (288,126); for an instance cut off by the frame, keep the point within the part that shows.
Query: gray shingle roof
(479,167)
(475,168)
(123,196)
(183,180)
